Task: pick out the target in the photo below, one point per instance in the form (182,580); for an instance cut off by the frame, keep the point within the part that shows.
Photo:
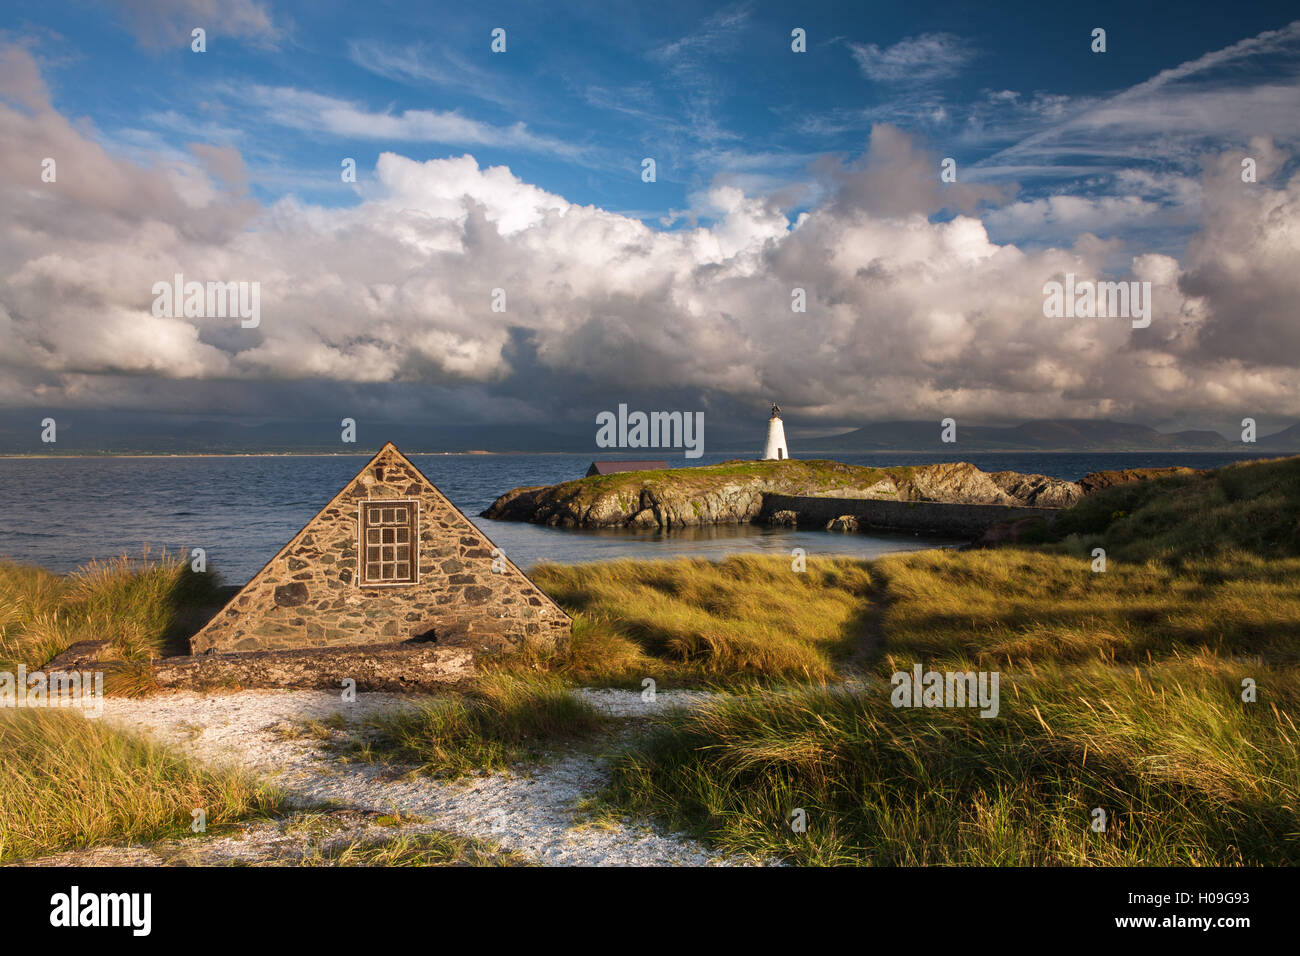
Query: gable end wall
(309,595)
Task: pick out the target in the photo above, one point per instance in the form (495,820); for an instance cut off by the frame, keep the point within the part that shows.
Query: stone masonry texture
(310,594)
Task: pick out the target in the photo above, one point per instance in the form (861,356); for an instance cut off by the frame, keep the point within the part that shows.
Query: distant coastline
(948,453)
(267,454)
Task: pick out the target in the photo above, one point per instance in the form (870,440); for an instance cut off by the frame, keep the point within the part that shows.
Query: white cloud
(907,317)
(313,112)
(918,59)
(158,24)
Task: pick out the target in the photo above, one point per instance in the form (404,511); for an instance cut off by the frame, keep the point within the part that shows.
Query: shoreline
(740,456)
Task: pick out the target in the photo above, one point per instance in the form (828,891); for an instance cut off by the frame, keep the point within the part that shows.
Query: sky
(501,256)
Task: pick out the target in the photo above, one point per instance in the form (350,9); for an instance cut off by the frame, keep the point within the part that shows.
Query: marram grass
(692,621)
(139,606)
(503,720)
(1186,773)
(71,781)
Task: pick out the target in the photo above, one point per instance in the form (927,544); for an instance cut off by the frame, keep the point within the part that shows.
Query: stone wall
(388,667)
(926,517)
(310,595)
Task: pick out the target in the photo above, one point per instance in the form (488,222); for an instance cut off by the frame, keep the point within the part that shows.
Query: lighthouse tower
(776,448)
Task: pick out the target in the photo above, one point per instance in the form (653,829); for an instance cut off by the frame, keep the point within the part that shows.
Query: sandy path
(534,810)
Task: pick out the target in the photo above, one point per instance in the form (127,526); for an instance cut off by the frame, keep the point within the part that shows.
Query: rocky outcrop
(1038,491)
(734,492)
(784,519)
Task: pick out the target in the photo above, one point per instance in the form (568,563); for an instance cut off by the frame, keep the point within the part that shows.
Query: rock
(83,655)
(291,595)
(843,523)
(733,492)
(783,519)
(1038,491)
(956,483)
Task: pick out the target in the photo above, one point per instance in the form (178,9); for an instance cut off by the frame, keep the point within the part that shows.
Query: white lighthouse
(776,448)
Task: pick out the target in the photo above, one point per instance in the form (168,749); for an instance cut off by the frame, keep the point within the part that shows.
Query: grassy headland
(1121,691)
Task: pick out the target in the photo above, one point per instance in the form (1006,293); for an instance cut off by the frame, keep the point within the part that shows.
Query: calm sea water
(62,512)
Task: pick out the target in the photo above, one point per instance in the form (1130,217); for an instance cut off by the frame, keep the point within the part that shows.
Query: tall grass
(1119,690)
(139,606)
(70,781)
(1186,773)
(504,719)
(1008,606)
(692,621)
(1249,506)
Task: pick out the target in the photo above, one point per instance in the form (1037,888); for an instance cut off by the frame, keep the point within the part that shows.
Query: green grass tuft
(70,781)
(140,606)
(503,720)
(693,621)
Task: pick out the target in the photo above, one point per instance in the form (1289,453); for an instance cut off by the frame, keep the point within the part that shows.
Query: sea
(61,513)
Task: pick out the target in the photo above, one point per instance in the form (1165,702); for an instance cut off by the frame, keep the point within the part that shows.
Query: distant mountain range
(1042,435)
(99,432)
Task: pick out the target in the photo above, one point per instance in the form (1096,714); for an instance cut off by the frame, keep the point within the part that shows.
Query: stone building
(389,560)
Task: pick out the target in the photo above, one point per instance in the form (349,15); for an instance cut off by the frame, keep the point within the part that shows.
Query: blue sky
(585,91)
(775,169)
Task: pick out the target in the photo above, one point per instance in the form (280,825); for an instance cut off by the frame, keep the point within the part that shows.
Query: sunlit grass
(70,781)
(437,848)
(693,621)
(501,721)
(138,606)
(1186,773)
(999,607)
